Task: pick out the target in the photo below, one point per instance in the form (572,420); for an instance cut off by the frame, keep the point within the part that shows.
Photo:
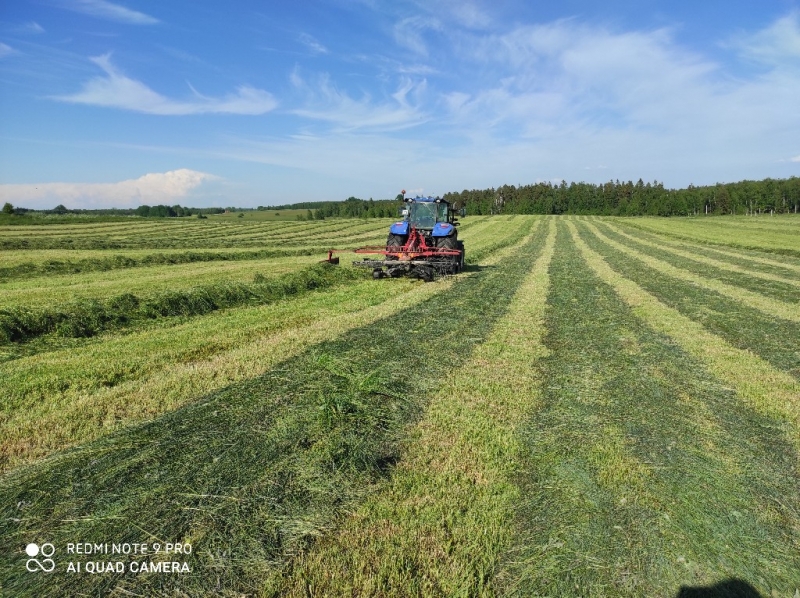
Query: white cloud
(545,101)
(312,44)
(795,159)
(777,44)
(6,50)
(103,9)
(153,188)
(115,90)
(327,103)
(31,27)
(409,32)
(567,78)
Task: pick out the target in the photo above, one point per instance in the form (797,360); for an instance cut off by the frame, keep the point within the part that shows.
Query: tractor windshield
(426,214)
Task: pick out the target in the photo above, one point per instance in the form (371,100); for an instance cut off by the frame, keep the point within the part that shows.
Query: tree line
(352,207)
(634,199)
(613,198)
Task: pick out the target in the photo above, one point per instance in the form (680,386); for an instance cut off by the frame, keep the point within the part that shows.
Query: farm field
(595,407)
(776,234)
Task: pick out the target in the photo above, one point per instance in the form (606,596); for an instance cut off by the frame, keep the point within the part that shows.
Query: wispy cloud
(102,9)
(325,102)
(795,159)
(778,44)
(544,101)
(115,90)
(31,27)
(312,44)
(6,50)
(152,188)
(410,32)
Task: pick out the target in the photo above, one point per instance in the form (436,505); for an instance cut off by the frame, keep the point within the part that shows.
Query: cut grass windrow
(751,259)
(785,291)
(89,317)
(644,473)
(443,521)
(719,231)
(511,237)
(57,399)
(780,309)
(767,389)
(774,340)
(116,262)
(793,284)
(249,474)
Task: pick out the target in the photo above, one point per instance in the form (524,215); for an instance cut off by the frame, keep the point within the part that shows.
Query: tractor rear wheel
(395,243)
(450,242)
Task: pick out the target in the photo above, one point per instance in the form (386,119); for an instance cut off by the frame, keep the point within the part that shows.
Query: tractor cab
(425,213)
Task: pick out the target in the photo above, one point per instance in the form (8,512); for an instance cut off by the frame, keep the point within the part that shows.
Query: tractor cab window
(423,214)
(426,214)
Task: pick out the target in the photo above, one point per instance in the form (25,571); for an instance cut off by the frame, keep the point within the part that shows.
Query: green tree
(60,209)
(8,208)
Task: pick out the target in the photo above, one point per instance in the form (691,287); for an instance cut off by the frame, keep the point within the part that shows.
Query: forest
(613,198)
(634,199)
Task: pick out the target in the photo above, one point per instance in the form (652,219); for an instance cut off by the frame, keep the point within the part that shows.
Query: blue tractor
(423,244)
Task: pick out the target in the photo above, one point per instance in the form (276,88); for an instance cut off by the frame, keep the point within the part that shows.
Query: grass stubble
(250,473)
(646,471)
(441,524)
(579,425)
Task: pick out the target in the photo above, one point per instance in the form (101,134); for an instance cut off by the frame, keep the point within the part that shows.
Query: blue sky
(120,103)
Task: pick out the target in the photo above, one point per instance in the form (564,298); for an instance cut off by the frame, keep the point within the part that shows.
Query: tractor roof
(427,199)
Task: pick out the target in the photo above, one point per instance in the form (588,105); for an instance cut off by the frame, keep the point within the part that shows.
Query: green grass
(453,486)
(105,263)
(580,414)
(783,290)
(89,317)
(776,340)
(261,215)
(264,465)
(57,398)
(644,473)
(777,234)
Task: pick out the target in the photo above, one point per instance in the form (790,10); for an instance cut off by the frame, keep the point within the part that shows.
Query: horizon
(119,104)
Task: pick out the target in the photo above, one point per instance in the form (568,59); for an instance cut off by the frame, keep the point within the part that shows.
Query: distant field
(777,234)
(262,215)
(595,407)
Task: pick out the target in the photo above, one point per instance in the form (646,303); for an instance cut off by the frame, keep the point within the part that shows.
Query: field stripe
(774,340)
(63,407)
(767,389)
(251,473)
(769,306)
(71,417)
(644,473)
(442,523)
(704,259)
(757,240)
(752,258)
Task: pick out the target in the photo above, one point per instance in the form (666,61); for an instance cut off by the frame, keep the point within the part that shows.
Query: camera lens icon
(46,550)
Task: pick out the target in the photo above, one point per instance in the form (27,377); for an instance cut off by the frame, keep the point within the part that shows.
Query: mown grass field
(595,407)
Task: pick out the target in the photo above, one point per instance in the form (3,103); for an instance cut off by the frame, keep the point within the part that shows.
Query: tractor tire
(461,258)
(395,242)
(450,242)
